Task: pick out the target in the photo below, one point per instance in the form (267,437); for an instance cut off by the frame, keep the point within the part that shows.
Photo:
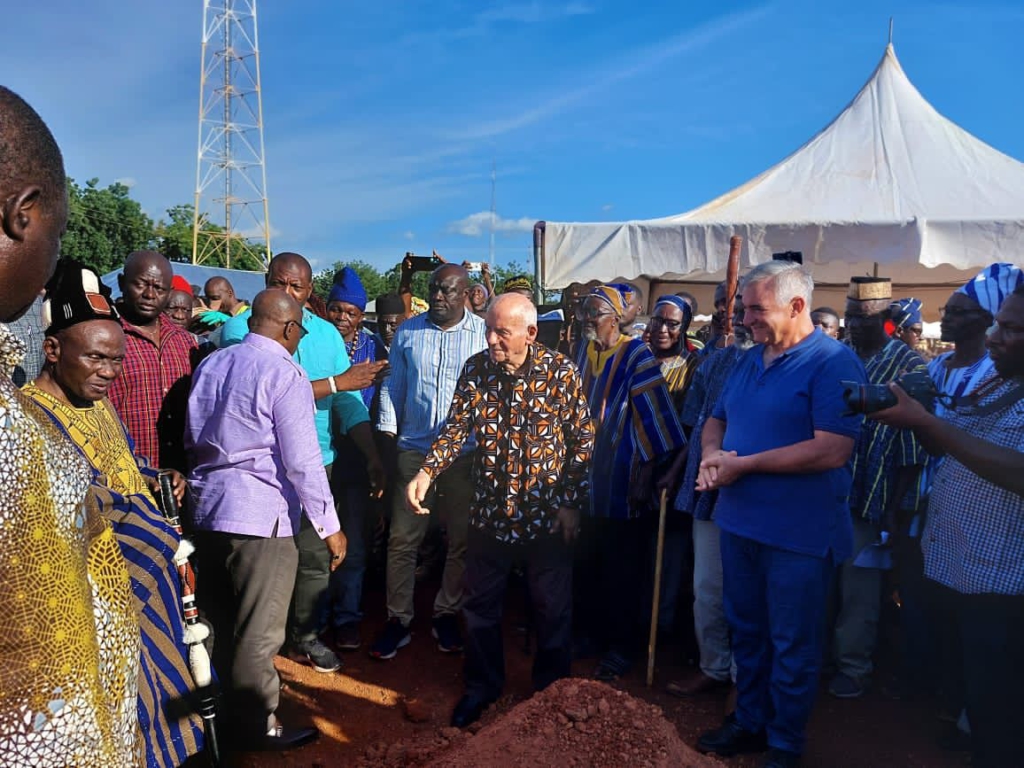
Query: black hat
(75,295)
(389,304)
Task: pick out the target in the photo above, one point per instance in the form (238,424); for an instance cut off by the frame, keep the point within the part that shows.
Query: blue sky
(383,118)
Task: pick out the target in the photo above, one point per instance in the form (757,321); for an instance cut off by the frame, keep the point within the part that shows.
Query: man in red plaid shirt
(151,393)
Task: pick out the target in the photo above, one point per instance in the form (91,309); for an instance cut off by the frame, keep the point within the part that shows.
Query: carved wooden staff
(732,277)
(195,631)
(656,602)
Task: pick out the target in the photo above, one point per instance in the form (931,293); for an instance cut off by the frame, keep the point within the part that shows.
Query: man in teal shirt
(323,357)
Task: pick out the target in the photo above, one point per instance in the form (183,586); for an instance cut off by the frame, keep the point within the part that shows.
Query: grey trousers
(244,591)
(859,604)
(455,487)
(709,622)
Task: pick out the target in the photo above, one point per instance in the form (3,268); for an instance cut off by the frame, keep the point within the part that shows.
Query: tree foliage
(376,282)
(104,225)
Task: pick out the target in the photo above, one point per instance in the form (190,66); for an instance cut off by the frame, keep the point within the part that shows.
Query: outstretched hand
(906,414)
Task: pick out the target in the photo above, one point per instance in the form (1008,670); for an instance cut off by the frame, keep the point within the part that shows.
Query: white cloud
(607,207)
(409,235)
(477,224)
(128,181)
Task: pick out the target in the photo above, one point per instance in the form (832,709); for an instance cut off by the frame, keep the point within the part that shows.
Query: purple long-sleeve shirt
(251,436)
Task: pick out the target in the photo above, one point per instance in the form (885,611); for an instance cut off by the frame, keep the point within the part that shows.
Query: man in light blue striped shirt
(427,356)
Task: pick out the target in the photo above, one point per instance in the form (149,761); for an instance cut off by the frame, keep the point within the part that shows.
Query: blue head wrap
(681,304)
(992,285)
(905,312)
(348,288)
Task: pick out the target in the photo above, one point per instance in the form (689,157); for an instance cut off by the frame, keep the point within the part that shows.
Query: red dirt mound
(572,723)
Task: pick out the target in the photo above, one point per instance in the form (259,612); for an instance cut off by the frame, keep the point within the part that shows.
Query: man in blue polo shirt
(778,448)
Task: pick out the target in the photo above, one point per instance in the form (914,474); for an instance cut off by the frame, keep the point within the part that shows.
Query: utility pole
(231,172)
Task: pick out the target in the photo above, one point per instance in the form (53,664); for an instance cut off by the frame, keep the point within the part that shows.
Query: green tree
(174,236)
(104,225)
(174,240)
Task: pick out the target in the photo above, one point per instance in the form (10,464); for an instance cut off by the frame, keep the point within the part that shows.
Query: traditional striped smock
(170,730)
(634,418)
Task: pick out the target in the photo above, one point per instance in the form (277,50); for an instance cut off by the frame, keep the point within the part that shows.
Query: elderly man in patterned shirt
(525,405)
(973,539)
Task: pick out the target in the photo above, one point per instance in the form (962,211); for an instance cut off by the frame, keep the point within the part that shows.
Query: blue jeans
(775,603)
(346,589)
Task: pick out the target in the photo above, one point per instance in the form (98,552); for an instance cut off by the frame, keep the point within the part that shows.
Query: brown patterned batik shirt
(534,442)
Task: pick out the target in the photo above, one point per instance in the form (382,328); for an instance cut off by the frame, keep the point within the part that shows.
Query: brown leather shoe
(695,685)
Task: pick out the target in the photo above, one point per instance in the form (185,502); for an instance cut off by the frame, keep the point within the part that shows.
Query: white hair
(518,307)
(789,280)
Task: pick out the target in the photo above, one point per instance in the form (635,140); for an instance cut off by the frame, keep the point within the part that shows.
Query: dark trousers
(549,580)
(612,579)
(991,635)
(244,593)
(775,603)
(312,580)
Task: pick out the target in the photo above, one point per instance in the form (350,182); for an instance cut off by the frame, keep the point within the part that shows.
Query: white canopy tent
(890,182)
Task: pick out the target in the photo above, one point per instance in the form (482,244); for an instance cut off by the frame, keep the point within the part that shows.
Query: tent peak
(890,32)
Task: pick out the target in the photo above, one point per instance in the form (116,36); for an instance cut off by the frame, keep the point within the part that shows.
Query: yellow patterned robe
(69,639)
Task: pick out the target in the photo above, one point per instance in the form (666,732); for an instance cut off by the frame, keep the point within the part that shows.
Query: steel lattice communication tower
(231,172)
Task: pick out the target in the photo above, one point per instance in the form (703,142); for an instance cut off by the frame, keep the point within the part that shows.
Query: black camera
(868,398)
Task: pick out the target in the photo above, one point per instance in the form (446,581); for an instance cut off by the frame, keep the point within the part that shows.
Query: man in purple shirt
(256,468)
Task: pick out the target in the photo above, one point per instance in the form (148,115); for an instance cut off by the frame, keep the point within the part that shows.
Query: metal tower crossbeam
(231,175)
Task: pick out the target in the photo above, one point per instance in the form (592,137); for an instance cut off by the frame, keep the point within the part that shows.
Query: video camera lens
(869,398)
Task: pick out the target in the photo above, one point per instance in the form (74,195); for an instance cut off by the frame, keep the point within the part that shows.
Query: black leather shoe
(732,739)
(781,758)
(282,738)
(467,711)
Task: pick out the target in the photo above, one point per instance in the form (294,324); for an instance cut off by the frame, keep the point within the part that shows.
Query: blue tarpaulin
(246,284)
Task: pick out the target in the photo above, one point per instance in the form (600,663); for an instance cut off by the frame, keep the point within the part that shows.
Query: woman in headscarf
(667,329)
(637,435)
(478,297)
(905,315)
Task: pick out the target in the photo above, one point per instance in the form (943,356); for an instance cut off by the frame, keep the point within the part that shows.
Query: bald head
(34,212)
(511,328)
(139,261)
(274,307)
(291,272)
(513,308)
(145,287)
(220,295)
(277,316)
(446,295)
(289,260)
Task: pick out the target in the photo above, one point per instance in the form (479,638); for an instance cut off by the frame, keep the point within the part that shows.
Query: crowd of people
(801,478)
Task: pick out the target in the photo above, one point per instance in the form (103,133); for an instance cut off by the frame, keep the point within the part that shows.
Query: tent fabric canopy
(890,182)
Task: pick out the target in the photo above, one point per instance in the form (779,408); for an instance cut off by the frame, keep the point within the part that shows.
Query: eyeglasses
(592,314)
(672,325)
(302,329)
(959,311)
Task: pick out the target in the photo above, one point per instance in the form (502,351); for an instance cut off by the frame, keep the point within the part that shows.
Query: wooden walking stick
(657,587)
(732,278)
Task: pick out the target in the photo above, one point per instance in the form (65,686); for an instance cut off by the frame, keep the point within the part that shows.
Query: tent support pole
(538,262)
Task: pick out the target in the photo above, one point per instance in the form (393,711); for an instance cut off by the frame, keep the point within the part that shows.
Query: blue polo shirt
(766,408)
(321,353)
